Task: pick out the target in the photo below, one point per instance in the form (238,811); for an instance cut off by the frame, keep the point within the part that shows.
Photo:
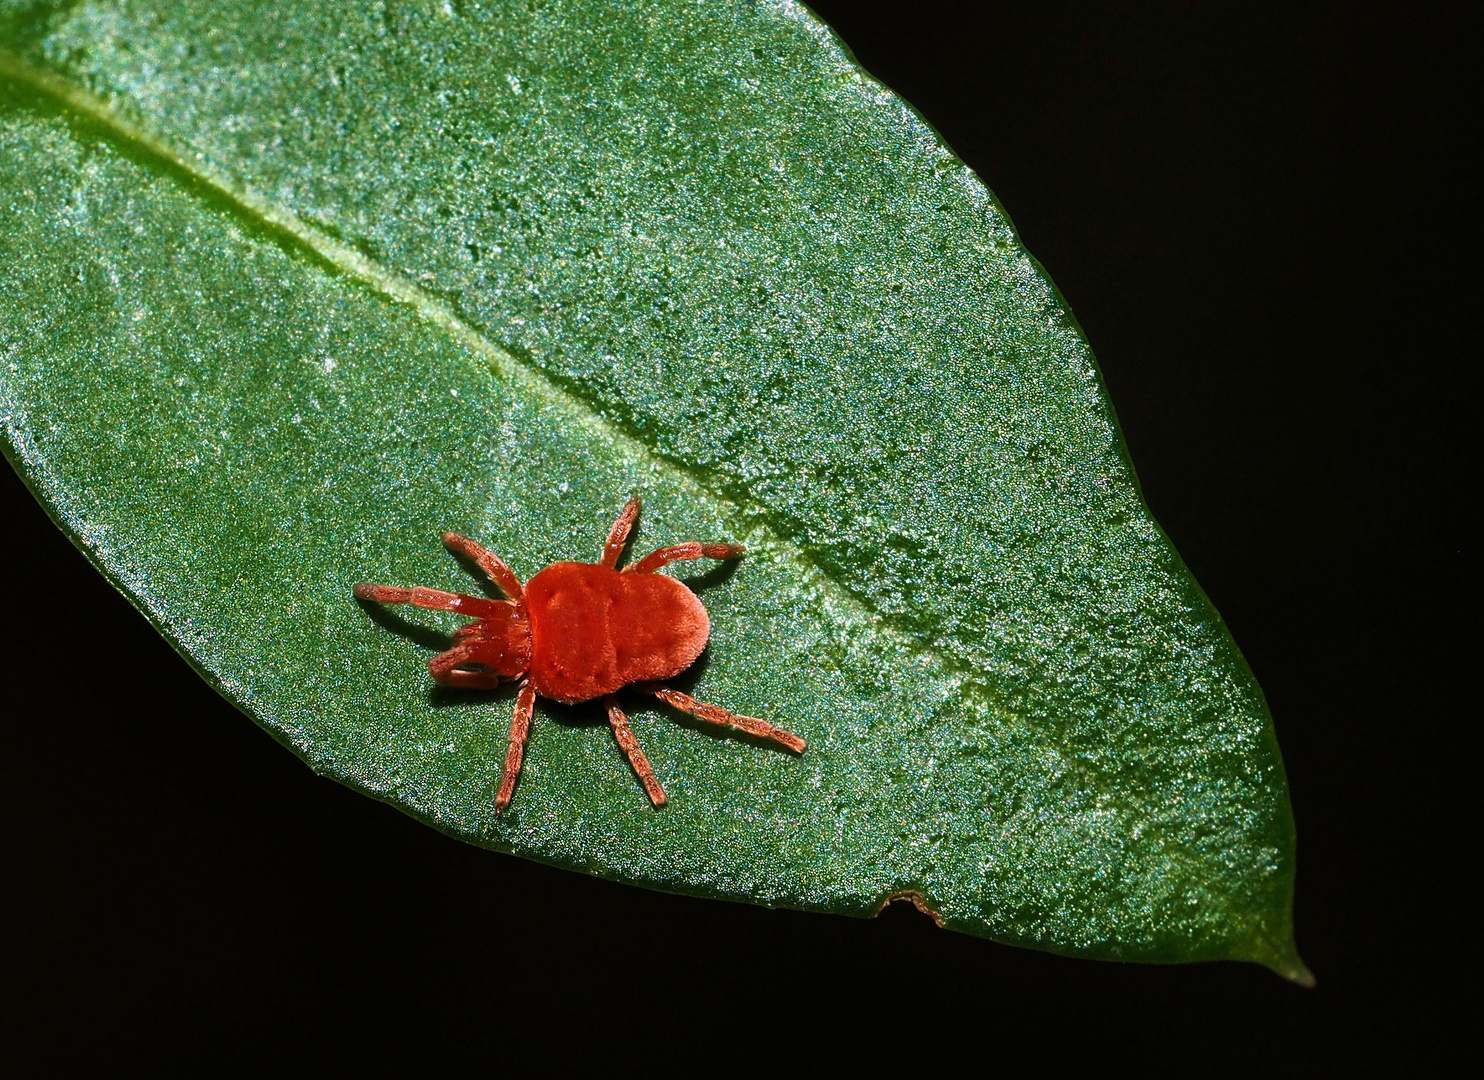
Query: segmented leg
(473,606)
(445,668)
(618,536)
(715,714)
(625,736)
(493,566)
(682,552)
(520,729)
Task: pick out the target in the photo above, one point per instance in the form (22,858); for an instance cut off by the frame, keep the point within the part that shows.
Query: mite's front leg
(476,607)
(491,564)
(447,669)
(618,536)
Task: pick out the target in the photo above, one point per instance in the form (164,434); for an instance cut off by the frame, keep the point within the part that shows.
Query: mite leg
(520,728)
(715,714)
(682,552)
(445,668)
(625,736)
(473,606)
(491,564)
(618,536)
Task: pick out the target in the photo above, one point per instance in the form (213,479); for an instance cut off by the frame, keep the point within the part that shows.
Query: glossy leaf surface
(291,289)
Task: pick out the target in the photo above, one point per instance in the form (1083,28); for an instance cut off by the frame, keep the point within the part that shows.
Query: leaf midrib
(299,234)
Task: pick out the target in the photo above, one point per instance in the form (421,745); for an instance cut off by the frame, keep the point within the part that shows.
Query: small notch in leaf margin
(916,899)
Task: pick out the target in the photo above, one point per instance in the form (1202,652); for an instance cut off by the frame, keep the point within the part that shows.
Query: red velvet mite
(577,632)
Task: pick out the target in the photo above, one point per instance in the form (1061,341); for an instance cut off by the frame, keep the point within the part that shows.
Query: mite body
(580,632)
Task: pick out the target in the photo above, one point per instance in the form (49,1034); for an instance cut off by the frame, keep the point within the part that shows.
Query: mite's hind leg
(618,536)
(435,599)
(446,669)
(491,564)
(520,729)
(683,552)
(715,714)
(625,736)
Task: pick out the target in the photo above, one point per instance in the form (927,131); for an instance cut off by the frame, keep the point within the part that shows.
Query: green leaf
(291,288)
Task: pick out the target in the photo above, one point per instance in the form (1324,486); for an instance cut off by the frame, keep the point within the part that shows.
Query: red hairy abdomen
(594,630)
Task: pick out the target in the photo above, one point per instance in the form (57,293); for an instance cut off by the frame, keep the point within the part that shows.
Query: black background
(1257,218)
